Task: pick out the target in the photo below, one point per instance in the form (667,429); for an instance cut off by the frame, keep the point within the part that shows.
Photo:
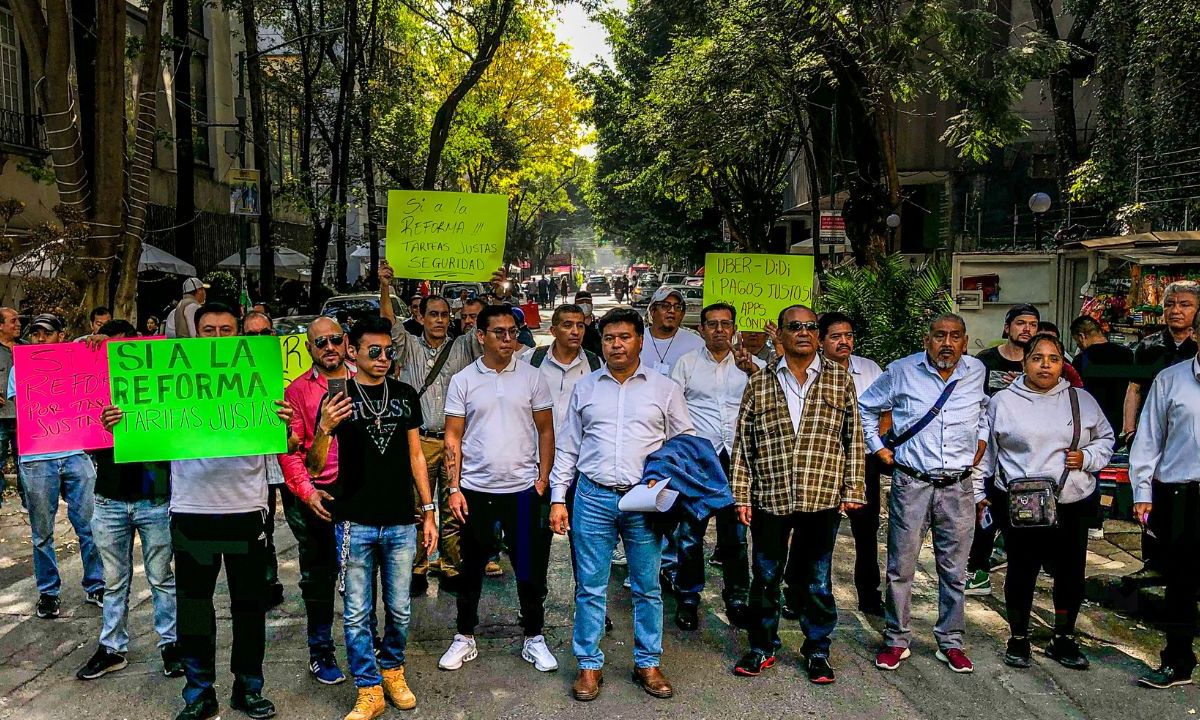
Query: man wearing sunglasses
(797,465)
(499,451)
(304,507)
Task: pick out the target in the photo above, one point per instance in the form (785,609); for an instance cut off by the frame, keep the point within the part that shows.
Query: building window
(10,65)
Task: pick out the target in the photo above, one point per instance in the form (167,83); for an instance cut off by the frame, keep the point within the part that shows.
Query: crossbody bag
(1033,502)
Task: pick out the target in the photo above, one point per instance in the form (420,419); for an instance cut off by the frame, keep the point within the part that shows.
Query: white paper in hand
(644,498)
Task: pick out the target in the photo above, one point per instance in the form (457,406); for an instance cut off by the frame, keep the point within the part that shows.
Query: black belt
(432,434)
(938,481)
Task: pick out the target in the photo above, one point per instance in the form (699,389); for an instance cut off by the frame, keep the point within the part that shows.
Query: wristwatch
(428,508)
(451,490)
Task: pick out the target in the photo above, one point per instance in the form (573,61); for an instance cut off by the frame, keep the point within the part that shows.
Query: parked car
(451,291)
(694,281)
(693,299)
(639,295)
(674,278)
(293,324)
(598,285)
(353,307)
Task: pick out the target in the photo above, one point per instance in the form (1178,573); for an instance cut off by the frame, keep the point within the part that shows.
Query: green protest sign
(758,285)
(196,398)
(446,235)
(296,359)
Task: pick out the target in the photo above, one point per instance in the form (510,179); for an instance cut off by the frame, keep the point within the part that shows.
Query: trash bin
(532,320)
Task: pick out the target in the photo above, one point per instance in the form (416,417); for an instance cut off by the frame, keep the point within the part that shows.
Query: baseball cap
(582,295)
(47,322)
(192,285)
(665,292)
(1017,311)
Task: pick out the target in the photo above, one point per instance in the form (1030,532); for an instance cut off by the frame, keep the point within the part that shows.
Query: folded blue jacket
(694,469)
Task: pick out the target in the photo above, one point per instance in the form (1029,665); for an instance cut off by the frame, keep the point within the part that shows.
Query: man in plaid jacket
(798,463)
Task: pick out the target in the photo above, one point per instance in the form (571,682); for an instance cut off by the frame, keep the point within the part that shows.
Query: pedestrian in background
(10,336)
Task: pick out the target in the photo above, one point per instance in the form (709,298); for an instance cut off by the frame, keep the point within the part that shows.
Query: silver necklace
(662,356)
(374,408)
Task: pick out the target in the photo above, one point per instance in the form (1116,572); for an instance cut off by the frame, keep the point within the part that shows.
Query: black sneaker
(608,626)
(819,670)
(687,617)
(753,663)
(715,560)
(1065,650)
(95,598)
(102,662)
(1165,677)
(172,663)
(1019,654)
(419,585)
(252,703)
(203,709)
(48,607)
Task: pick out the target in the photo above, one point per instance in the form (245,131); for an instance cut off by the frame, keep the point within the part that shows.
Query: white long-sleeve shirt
(611,427)
(1167,445)
(713,392)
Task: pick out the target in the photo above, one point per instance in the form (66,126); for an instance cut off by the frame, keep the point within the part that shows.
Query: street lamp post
(893,223)
(1039,203)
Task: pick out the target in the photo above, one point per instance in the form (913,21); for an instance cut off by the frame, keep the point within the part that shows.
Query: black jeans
(317,551)
(864,525)
(1062,549)
(524,518)
(202,543)
(805,540)
(1153,545)
(273,492)
(1178,530)
(985,538)
(731,549)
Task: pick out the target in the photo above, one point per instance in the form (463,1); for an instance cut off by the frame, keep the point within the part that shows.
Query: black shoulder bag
(438,364)
(1033,502)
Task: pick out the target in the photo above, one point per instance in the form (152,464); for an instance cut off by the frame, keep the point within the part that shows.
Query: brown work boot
(653,682)
(587,685)
(370,704)
(395,687)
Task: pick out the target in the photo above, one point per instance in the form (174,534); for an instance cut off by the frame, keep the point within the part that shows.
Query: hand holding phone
(336,386)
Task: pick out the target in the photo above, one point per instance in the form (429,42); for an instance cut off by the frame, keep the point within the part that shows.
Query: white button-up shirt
(1167,445)
(865,372)
(794,391)
(713,391)
(561,379)
(611,427)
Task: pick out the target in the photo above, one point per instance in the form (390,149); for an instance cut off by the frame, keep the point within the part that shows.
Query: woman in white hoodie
(1031,430)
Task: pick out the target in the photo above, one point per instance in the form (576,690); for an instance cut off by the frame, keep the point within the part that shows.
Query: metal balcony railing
(20,130)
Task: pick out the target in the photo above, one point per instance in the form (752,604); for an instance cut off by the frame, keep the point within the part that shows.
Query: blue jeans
(391,548)
(594,531)
(114,523)
(73,478)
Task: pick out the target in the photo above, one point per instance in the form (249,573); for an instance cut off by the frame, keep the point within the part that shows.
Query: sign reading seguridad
(446,235)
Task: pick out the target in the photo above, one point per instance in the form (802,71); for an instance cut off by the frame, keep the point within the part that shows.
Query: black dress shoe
(687,617)
(253,704)
(202,709)
(753,663)
(608,626)
(819,670)
(418,586)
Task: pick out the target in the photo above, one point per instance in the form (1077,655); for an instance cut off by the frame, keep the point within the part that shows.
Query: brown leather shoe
(587,685)
(653,682)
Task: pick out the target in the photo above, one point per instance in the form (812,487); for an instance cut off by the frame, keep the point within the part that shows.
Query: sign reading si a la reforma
(758,285)
(196,398)
(446,235)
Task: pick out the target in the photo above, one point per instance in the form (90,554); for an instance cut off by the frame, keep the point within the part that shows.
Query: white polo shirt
(865,372)
(560,379)
(500,442)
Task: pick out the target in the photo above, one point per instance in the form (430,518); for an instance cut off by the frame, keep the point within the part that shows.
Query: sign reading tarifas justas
(446,235)
(61,389)
(758,285)
(197,398)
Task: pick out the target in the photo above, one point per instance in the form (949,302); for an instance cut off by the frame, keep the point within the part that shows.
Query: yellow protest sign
(445,235)
(296,359)
(758,285)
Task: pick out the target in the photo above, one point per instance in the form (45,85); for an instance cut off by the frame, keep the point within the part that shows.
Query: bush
(223,288)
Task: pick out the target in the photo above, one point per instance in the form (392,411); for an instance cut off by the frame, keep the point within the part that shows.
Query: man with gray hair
(939,432)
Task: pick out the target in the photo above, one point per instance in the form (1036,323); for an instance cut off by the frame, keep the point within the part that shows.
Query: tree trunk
(884,118)
(84,25)
(1062,96)
(185,159)
(262,155)
(139,167)
(368,167)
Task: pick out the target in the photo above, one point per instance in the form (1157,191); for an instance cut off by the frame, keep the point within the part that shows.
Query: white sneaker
(461,650)
(536,652)
(1095,533)
(618,556)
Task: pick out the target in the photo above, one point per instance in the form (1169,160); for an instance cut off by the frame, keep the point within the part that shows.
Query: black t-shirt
(1156,353)
(131,482)
(375,481)
(997,366)
(1104,368)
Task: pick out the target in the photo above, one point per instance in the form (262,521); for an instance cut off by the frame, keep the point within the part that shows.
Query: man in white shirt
(616,418)
(499,451)
(563,362)
(1164,467)
(665,340)
(713,379)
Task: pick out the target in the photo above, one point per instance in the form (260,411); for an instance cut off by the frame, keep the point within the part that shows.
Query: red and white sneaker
(956,659)
(891,657)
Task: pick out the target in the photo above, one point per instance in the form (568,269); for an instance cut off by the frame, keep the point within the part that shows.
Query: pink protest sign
(61,389)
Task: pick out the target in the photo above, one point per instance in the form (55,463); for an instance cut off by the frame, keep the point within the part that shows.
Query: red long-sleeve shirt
(304,394)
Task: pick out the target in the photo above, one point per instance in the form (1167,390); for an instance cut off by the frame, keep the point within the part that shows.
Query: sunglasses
(797,326)
(324,340)
(254,333)
(375,351)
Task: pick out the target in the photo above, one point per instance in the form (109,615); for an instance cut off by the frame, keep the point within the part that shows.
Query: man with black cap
(591,336)
(46,477)
(1003,364)
(182,322)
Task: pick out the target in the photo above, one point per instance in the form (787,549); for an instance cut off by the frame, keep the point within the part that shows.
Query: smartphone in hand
(336,386)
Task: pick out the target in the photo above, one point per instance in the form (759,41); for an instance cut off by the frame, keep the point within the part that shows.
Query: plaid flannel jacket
(780,472)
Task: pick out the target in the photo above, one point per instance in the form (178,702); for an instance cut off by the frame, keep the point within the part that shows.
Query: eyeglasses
(675,307)
(254,333)
(719,324)
(324,340)
(375,351)
(503,333)
(797,326)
